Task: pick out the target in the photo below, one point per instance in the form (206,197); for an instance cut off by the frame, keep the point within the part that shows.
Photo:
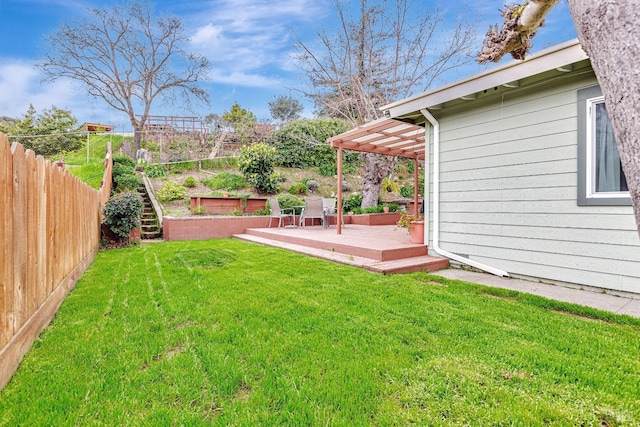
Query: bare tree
(609,31)
(128,58)
(387,51)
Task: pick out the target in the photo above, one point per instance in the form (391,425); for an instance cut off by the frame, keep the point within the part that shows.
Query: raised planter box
(373,219)
(227,205)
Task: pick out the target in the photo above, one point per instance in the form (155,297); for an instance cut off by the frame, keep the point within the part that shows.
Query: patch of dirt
(242,393)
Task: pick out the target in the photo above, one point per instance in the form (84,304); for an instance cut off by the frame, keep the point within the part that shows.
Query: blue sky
(248,41)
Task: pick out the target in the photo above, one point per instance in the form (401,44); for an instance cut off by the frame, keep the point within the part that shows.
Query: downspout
(436,204)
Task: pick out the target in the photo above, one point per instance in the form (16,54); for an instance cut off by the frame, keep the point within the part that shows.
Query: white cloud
(239,78)
(20,86)
(245,36)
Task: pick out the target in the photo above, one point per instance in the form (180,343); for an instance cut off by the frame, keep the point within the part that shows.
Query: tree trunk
(376,169)
(137,138)
(608,31)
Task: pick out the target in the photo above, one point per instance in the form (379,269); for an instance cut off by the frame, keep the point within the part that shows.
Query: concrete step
(151,236)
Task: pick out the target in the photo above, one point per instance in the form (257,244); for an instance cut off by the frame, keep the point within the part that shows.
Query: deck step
(371,251)
(406,265)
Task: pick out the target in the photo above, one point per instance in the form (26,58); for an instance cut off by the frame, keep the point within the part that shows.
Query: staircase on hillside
(150,228)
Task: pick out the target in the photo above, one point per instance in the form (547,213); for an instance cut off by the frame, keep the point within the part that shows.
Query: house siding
(508,190)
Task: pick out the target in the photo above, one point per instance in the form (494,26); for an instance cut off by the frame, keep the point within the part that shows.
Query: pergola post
(416,181)
(339,207)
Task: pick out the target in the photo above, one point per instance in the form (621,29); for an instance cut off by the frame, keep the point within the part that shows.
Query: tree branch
(520,25)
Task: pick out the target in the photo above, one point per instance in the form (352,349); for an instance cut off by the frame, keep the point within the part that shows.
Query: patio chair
(312,210)
(329,207)
(280,213)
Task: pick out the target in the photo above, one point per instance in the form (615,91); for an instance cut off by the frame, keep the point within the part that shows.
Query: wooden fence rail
(49,234)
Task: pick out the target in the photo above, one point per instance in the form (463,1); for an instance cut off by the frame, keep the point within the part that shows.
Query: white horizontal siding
(598,272)
(547,233)
(586,221)
(508,191)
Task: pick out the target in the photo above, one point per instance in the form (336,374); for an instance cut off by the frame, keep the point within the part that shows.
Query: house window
(601,180)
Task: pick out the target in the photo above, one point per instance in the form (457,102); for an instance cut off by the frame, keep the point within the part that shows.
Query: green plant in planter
(406,219)
(352,203)
(199,210)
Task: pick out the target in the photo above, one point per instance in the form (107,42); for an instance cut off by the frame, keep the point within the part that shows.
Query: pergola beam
(387,137)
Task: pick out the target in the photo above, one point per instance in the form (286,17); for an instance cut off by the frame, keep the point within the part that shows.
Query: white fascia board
(554,57)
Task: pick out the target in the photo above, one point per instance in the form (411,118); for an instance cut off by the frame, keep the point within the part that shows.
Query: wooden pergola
(383,136)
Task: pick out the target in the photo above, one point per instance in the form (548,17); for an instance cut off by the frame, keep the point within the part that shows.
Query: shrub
(154,171)
(124,175)
(290,201)
(410,167)
(119,159)
(225,181)
(406,191)
(327,170)
(127,182)
(171,190)
(299,188)
(313,185)
(389,185)
(190,182)
(352,203)
(279,176)
(349,166)
(330,169)
(303,143)
(122,213)
(120,169)
(373,209)
(256,164)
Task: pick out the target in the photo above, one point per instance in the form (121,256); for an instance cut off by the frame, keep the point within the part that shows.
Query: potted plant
(414,225)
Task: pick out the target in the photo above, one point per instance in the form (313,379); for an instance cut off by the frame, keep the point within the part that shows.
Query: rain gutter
(436,204)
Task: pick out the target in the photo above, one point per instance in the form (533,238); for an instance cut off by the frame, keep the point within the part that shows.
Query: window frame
(587,99)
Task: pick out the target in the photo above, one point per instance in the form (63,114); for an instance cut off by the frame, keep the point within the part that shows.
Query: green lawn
(225,332)
(92,171)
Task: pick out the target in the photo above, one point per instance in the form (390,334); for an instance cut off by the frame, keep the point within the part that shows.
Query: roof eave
(557,56)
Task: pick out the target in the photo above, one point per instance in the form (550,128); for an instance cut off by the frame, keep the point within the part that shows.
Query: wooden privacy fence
(49,234)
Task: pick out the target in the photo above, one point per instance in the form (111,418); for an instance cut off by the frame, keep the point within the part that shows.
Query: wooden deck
(383,248)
